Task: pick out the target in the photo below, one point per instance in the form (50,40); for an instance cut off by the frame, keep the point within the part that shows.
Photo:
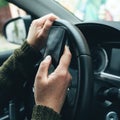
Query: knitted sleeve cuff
(28,53)
(44,113)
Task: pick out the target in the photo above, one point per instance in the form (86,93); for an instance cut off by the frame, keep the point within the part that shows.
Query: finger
(49,21)
(51,17)
(69,78)
(43,68)
(47,26)
(65,58)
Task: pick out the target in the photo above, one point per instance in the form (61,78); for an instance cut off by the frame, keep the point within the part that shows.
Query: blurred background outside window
(93,9)
(7,11)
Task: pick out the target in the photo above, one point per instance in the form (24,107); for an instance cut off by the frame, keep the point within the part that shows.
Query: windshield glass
(108,10)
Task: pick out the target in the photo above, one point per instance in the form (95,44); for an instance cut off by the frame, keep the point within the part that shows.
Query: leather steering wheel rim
(85,83)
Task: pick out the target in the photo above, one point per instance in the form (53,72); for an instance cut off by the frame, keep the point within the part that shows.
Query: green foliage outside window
(3,3)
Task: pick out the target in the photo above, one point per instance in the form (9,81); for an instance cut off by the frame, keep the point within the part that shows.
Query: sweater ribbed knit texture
(15,71)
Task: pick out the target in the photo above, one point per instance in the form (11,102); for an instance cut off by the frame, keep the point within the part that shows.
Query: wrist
(27,51)
(40,111)
(35,44)
(53,106)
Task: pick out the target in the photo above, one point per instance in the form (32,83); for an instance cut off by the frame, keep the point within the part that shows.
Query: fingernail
(67,47)
(48,57)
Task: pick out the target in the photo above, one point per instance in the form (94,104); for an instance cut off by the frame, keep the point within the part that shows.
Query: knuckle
(34,22)
(63,74)
(50,15)
(46,28)
(38,77)
(69,54)
(66,77)
(42,34)
(43,64)
(48,25)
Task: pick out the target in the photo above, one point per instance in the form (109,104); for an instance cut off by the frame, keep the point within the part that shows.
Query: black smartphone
(55,44)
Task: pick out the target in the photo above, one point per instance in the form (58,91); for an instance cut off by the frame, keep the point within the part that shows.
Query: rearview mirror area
(15,30)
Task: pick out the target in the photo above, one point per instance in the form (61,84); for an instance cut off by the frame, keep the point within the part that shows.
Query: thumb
(44,66)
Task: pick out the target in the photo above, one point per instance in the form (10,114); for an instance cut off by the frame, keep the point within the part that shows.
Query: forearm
(44,113)
(17,69)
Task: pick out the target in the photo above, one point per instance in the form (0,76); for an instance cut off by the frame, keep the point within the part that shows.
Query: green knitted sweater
(17,69)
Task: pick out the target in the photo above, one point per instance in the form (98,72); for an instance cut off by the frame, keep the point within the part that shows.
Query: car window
(7,12)
(93,9)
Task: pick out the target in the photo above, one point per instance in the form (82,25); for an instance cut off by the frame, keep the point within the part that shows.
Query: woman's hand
(38,31)
(50,89)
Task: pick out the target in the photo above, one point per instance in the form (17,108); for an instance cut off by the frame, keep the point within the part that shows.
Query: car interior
(95,67)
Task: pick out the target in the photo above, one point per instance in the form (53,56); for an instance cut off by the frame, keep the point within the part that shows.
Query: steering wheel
(80,92)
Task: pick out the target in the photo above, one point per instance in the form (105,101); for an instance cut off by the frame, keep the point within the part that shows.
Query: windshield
(108,10)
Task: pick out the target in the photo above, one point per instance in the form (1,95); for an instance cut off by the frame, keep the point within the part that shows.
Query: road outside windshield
(108,10)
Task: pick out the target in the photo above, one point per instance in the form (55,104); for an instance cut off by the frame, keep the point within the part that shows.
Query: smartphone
(55,44)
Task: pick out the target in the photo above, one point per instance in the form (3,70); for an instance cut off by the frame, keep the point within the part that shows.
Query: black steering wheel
(79,96)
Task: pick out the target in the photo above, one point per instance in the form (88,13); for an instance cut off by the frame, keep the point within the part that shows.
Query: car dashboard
(104,43)
(103,39)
